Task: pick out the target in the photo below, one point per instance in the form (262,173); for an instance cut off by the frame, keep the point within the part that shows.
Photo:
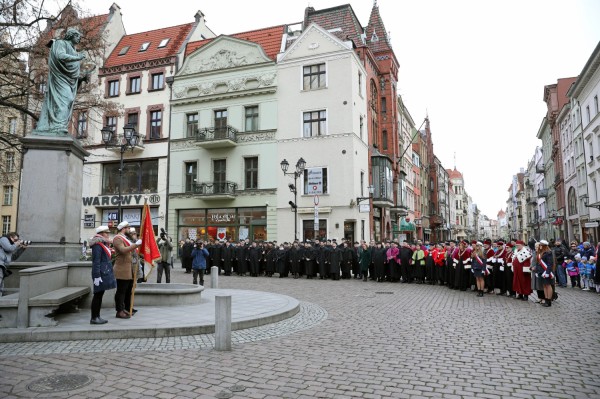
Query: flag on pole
(149,250)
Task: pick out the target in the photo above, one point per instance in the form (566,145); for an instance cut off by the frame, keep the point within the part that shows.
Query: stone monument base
(50,198)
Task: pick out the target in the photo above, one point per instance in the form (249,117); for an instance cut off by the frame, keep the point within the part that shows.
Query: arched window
(572,202)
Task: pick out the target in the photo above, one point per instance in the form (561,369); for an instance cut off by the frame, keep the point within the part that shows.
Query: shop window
(138,177)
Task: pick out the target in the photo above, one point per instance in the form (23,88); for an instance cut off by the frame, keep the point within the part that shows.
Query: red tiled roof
(454,174)
(175,34)
(376,25)
(342,17)
(268,38)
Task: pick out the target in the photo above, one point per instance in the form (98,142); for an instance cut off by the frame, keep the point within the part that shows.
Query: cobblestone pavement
(352,339)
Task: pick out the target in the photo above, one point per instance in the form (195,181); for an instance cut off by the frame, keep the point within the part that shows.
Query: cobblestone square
(351,339)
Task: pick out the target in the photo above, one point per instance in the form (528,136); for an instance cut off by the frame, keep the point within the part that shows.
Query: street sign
(316,200)
(591,224)
(316,217)
(364,208)
(89,221)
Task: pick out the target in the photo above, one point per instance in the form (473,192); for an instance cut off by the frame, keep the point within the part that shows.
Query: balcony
(115,143)
(211,137)
(442,201)
(215,190)
(399,210)
(539,168)
(532,200)
(543,193)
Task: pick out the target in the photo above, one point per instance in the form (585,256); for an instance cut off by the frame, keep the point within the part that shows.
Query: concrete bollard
(214,277)
(223,322)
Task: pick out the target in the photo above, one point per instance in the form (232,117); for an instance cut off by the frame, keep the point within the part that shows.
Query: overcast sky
(477,68)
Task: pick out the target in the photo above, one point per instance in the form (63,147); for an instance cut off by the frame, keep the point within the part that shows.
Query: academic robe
(521,272)
(462,271)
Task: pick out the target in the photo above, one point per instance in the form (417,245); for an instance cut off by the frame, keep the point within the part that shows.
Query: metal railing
(215,188)
(216,133)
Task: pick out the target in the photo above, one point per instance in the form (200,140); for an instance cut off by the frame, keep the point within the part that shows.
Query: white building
(585,118)
(322,103)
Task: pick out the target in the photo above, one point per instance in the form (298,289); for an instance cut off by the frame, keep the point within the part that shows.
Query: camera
(25,242)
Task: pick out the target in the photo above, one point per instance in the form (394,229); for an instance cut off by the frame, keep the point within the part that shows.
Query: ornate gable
(223,52)
(314,41)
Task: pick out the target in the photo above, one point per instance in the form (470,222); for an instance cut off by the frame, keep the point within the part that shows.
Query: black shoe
(98,320)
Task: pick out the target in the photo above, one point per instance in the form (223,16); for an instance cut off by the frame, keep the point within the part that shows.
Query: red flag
(149,249)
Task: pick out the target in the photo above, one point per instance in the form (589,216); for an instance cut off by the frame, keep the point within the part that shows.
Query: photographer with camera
(11,247)
(199,255)
(165,246)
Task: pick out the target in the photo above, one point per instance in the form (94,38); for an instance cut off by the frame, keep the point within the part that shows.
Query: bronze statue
(64,77)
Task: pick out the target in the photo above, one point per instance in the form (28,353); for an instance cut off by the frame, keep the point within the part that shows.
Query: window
(133,119)
(251,168)
(587,111)
(192,125)
(158,80)
(111,121)
(144,46)
(362,183)
(82,124)
(43,87)
(251,119)
(134,84)
(314,76)
(113,88)
(220,124)
(596,109)
(190,175)
(163,43)
(315,123)
(5,225)
(10,162)
(360,77)
(12,125)
(138,177)
(8,195)
(315,181)
(155,124)
(124,50)
(384,140)
(383,105)
(220,176)
(360,126)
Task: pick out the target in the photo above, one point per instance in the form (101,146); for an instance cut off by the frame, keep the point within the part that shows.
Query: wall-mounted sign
(315,181)
(113,200)
(89,221)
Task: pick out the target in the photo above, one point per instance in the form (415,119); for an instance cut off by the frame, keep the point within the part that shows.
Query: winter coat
(199,256)
(364,259)
(8,251)
(123,269)
(101,265)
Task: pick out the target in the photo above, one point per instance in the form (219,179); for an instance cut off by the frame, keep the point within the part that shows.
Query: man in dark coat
(334,259)
(241,258)
(295,258)
(227,256)
(405,255)
(254,254)
(186,255)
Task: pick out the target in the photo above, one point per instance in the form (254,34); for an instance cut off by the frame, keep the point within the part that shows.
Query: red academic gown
(521,274)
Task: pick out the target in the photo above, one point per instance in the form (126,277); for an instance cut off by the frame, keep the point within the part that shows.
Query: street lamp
(129,141)
(300,165)
(585,199)
(371,189)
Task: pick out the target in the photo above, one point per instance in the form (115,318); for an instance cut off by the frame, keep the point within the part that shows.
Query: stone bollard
(223,322)
(214,277)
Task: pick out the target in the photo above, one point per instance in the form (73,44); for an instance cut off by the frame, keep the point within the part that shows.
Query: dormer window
(374,38)
(163,43)
(124,50)
(144,46)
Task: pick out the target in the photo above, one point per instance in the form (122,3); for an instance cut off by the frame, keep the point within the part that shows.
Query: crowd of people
(513,268)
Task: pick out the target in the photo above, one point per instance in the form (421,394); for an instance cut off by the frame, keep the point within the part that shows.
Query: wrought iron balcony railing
(216,133)
(215,188)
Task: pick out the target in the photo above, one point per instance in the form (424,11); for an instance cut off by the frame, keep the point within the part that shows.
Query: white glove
(545,275)
(97,281)
(138,242)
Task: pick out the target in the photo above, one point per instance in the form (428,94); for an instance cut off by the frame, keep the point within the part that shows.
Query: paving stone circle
(59,383)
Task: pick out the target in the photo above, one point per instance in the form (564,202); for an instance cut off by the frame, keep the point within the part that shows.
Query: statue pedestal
(50,198)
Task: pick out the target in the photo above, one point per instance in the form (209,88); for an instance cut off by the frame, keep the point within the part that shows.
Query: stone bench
(43,308)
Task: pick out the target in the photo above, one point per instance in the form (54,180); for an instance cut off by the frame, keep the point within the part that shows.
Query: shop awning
(406,226)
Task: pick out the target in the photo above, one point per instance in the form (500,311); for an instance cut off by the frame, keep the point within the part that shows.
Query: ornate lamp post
(128,141)
(300,165)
